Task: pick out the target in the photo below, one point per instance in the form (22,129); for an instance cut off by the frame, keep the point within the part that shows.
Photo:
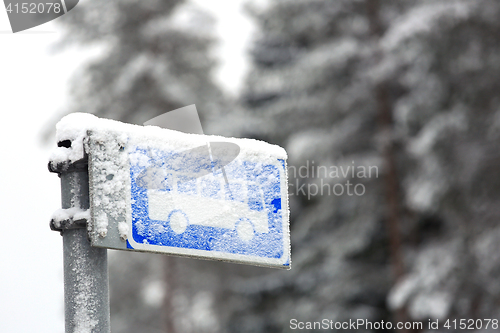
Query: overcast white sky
(235,30)
(33,87)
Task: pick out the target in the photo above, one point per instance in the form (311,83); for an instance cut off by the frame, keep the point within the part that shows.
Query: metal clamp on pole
(71,223)
(86,289)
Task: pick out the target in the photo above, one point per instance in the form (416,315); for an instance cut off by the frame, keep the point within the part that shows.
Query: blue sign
(189,203)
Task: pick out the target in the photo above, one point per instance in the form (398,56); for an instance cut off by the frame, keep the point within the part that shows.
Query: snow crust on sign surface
(101,224)
(123,230)
(244,227)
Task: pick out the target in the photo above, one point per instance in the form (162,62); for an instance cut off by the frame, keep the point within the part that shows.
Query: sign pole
(86,288)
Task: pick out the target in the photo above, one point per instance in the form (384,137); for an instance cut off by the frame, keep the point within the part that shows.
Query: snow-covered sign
(163,191)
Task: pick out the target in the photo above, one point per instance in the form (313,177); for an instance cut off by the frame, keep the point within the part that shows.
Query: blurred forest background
(411,87)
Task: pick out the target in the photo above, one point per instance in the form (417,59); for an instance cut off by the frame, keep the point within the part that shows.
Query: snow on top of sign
(74,127)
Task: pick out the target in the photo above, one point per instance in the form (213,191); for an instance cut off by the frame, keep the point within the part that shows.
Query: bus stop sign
(163,191)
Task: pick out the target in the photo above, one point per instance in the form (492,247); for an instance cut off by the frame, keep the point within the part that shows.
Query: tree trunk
(391,179)
(168,307)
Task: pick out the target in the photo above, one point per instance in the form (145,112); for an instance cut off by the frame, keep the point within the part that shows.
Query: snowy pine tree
(444,55)
(407,87)
(312,60)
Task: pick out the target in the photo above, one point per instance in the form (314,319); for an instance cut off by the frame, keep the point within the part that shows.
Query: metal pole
(86,290)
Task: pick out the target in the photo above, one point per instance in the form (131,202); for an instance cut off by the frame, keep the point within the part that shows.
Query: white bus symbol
(182,199)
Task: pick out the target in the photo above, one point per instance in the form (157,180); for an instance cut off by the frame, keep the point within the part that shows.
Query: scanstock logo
(26,14)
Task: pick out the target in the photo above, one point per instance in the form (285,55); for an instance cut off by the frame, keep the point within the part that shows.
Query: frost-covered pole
(86,292)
